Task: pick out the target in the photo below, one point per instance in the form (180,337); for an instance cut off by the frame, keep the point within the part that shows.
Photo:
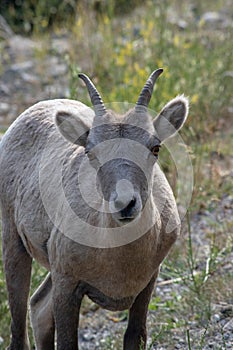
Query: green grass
(119,54)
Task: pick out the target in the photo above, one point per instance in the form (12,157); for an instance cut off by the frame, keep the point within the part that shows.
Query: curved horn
(145,95)
(94,95)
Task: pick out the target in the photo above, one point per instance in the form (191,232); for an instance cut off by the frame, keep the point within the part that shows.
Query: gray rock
(4,90)
(61,45)
(22,66)
(4,108)
(215,20)
(23,47)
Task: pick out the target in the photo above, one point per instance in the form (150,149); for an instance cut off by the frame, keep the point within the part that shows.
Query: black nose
(128,210)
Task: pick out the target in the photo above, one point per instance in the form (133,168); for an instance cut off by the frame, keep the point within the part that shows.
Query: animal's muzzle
(126,205)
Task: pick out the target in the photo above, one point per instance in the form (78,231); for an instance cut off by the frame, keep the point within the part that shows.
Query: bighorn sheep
(81,192)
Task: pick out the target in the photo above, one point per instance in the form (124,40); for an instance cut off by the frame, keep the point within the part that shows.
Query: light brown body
(117,278)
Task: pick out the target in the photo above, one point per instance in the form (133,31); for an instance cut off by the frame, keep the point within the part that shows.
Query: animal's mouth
(125,220)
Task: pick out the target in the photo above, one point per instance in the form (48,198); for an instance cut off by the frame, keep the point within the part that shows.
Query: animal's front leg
(136,335)
(66,306)
(17,265)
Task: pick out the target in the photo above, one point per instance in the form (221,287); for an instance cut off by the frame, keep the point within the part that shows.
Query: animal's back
(23,144)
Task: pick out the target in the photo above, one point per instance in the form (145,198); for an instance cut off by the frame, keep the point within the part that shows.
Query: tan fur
(118,277)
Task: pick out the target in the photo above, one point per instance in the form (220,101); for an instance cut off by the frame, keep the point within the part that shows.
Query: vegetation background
(118,44)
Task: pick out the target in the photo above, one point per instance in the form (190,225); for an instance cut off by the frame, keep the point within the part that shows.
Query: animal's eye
(90,155)
(155,150)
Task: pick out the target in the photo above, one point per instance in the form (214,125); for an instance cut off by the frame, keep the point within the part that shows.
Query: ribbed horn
(145,95)
(94,95)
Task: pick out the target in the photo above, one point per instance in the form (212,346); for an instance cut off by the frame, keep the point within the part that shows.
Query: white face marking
(124,192)
(124,188)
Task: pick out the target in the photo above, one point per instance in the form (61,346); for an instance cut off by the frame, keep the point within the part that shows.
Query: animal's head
(124,149)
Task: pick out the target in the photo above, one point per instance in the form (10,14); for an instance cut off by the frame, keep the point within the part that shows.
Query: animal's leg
(42,316)
(17,266)
(136,335)
(66,307)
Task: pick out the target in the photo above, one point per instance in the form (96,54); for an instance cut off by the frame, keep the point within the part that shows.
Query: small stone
(4,90)
(216,318)
(87,335)
(229,326)
(227,311)
(182,24)
(4,107)
(22,66)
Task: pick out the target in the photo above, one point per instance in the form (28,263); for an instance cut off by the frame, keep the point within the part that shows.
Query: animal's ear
(74,127)
(171,118)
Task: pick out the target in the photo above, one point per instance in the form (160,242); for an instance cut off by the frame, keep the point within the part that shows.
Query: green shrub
(32,15)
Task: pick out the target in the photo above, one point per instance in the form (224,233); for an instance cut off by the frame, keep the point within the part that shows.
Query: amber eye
(155,150)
